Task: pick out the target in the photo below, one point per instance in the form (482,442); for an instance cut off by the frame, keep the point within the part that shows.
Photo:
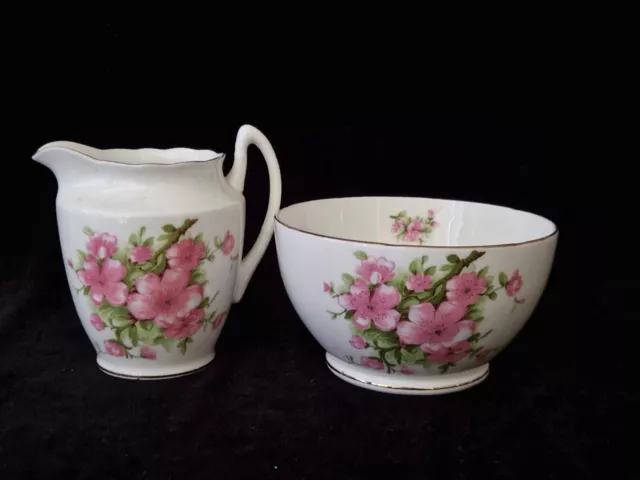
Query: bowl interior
(416,221)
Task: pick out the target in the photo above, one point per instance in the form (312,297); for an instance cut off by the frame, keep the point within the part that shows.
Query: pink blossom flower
(431,213)
(414,230)
(371,363)
(465,289)
(148,352)
(102,245)
(376,270)
(141,254)
(432,329)
(397,226)
(228,243)
(97,322)
(448,353)
(104,281)
(182,327)
(358,342)
(219,319)
(185,254)
(166,300)
(514,284)
(406,370)
(377,307)
(418,282)
(326,287)
(114,348)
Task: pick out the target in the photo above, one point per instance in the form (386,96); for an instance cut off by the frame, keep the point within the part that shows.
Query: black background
(267,407)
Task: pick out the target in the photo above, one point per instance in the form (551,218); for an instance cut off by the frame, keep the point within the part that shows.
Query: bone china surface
(152,244)
(410,295)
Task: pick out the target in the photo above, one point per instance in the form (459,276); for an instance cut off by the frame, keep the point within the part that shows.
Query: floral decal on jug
(413,229)
(149,292)
(424,316)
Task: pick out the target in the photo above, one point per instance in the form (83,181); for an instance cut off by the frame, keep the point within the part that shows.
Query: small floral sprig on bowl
(427,315)
(150,291)
(413,229)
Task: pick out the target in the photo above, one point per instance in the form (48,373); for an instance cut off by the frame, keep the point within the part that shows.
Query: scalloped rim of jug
(169,157)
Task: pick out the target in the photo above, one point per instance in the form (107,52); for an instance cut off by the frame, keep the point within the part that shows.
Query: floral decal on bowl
(424,316)
(150,291)
(413,229)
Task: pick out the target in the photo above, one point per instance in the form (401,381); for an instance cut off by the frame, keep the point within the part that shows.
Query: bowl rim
(554,233)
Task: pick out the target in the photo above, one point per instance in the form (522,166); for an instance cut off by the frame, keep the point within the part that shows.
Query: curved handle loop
(248,135)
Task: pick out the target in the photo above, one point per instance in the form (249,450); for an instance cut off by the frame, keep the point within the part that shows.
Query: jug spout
(58,156)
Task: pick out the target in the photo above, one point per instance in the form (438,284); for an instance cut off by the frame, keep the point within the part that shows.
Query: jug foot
(133,369)
(381,381)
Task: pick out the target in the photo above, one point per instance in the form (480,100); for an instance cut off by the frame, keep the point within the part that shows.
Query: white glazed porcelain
(152,242)
(412,295)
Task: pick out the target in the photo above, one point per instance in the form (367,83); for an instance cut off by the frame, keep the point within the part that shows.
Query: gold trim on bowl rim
(458,247)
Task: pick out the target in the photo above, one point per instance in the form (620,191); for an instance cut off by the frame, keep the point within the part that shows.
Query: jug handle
(248,135)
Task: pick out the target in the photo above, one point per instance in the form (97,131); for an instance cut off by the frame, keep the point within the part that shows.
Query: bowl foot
(129,370)
(406,384)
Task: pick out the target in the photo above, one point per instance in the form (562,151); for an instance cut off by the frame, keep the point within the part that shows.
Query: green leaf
(124,336)
(87,231)
(474,337)
(503,279)
(168,228)
(182,345)
(446,267)
(348,279)
(415,266)
(133,335)
(519,300)
(349,314)
(398,356)
(121,255)
(390,356)
(483,272)
(198,277)
(204,303)
(149,242)
(164,237)
(198,237)
(473,314)
(412,355)
(425,259)
(133,239)
(431,271)
(453,258)
(160,265)
(360,255)
(132,276)
(164,342)
(380,339)
(423,295)
(438,295)
(407,302)
(143,229)
(81,256)
(146,325)
(398,281)
(217,242)
(493,295)
(489,279)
